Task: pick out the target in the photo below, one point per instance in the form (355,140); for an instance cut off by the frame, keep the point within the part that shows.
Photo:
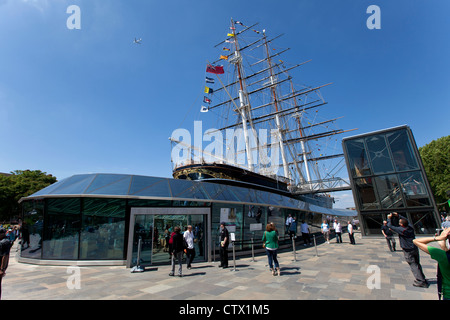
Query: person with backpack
(177,251)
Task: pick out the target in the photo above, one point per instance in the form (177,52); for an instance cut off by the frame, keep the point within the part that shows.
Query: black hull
(223,173)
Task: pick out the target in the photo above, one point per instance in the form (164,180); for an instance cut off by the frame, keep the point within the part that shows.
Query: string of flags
(218,69)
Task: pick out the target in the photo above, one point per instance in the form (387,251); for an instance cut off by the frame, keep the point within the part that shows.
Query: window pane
(389,191)
(357,157)
(366,194)
(379,155)
(32,224)
(424,222)
(414,189)
(62,226)
(103,229)
(402,151)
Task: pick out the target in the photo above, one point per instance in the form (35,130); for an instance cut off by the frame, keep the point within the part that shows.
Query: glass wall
(385,173)
(32,228)
(62,229)
(103,229)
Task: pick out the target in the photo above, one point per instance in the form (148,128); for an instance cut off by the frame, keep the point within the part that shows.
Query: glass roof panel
(73,185)
(187,189)
(157,189)
(119,187)
(105,180)
(139,183)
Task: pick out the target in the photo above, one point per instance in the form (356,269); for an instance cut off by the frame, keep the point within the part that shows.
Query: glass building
(93,219)
(387,175)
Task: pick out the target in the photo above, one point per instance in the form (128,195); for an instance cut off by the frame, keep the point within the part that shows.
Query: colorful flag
(226,49)
(223,57)
(209,80)
(208,90)
(214,69)
(229,41)
(204,109)
(230,35)
(206,100)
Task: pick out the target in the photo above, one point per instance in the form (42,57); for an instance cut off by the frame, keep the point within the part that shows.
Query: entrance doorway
(151,228)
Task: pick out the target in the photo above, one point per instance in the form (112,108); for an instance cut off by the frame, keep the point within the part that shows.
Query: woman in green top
(270,242)
(442,256)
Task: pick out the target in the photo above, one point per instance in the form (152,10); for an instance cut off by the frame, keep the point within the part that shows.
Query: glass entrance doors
(153,227)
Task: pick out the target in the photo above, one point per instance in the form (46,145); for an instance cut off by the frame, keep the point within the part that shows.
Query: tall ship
(266,131)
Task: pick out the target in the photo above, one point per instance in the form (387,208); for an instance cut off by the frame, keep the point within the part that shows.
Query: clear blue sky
(89,100)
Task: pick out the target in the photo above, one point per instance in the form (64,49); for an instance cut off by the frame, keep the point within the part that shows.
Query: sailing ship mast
(282,109)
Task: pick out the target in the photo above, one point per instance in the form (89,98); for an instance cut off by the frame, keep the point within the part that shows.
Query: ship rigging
(284,143)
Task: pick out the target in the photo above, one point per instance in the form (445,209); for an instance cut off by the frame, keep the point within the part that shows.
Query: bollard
(315,244)
(293,249)
(253,251)
(234,258)
(137,267)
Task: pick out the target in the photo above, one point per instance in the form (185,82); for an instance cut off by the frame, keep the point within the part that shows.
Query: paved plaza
(337,272)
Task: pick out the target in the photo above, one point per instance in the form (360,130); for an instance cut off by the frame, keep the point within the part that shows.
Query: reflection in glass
(402,151)
(62,226)
(366,193)
(414,189)
(379,155)
(31,229)
(357,156)
(389,191)
(103,229)
(423,222)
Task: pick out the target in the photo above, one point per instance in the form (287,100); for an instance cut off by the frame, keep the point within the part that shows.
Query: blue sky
(89,100)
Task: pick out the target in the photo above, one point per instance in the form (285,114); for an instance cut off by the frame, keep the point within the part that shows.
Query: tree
(436,160)
(18,185)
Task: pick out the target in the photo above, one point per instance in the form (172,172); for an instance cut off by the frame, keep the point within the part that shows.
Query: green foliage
(18,185)
(436,160)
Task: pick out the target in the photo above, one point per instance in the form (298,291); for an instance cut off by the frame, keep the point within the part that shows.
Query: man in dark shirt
(406,236)
(5,247)
(224,241)
(389,235)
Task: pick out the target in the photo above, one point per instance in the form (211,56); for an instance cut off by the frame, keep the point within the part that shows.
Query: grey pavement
(339,272)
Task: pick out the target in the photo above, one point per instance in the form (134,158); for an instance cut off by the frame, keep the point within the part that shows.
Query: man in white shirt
(338,230)
(305,233)
(350,232)
(188,236)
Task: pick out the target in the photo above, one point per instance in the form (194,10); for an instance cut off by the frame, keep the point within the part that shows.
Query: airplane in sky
(137,41)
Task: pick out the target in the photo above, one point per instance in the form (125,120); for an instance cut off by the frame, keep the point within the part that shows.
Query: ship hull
(223,173)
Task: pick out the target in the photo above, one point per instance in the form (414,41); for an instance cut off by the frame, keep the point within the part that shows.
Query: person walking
(325,228)
(188,236)
(338,230)
(177,251)
(270,242)
(389,235)
(351,233)
(304,227)
(5,247)
(406,236)
(224,242)
(293,228)
(442,256)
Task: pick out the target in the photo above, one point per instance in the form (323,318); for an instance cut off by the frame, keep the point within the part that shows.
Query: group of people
(180,244)
(410,246)
(325,229)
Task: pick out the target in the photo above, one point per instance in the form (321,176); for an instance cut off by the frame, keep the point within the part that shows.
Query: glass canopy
(144,187)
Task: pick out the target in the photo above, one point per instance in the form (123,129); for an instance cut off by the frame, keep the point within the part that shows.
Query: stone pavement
(340,271)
